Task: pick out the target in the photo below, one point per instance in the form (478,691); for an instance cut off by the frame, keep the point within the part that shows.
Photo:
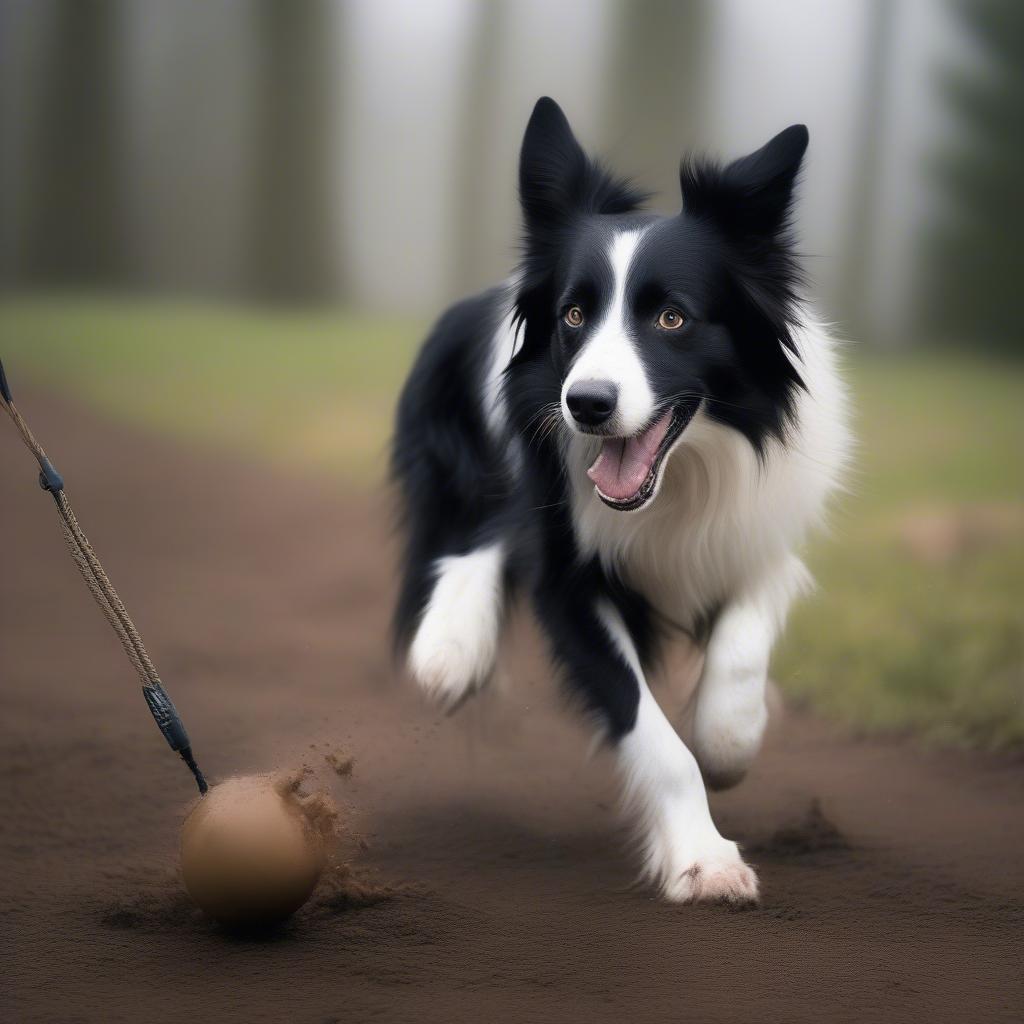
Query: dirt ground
(490,877)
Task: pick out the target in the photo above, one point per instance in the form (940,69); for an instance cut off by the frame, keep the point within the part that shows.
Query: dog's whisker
(547,426)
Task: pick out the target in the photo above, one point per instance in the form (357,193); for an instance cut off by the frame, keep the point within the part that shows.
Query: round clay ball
(252,849)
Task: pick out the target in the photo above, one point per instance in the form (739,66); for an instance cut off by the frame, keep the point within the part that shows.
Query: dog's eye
(574,316)
(670,319)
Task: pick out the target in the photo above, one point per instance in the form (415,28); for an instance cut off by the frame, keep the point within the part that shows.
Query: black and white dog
(637,432)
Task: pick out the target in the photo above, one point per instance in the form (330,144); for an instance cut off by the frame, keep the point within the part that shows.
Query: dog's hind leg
(456,642)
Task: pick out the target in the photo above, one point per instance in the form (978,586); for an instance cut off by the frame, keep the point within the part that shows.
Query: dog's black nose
(591,402)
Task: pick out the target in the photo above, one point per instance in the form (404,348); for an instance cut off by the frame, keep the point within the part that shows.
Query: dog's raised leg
(731,714)
(456,642)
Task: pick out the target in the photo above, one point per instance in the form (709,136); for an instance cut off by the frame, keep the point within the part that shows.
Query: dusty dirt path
(264,602)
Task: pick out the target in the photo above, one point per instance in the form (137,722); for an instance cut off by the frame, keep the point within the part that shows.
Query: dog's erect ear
(556,179)
(752,195)
(558,183)
(549,162)
(767,176)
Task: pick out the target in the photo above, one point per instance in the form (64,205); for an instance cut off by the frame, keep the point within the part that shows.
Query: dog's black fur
(727,260)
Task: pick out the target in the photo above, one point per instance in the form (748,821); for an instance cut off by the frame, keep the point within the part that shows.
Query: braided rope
(105,596)
(89,566)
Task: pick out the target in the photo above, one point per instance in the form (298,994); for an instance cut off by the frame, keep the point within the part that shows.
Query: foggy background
(364,153)
(231,223)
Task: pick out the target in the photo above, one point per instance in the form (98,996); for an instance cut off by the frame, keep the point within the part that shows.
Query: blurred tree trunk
(972,253)
(72,220)
(294,250)
(188,108)
(18,22)
(853,298)
(653,90)
(474,255)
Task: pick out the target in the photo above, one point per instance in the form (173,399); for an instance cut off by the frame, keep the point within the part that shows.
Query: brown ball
(252,850)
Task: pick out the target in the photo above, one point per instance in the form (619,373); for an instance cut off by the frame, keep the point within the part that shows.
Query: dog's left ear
(752,195)
(550,162)
(558,181)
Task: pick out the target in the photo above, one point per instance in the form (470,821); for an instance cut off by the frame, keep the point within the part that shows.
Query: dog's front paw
(714,875)
(453,652)
(444,669)
(728,727)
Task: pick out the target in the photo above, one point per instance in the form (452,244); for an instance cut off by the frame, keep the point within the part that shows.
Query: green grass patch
(917,625)
(314,390)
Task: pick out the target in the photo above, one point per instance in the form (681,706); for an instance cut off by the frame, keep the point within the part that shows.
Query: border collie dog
(636,432)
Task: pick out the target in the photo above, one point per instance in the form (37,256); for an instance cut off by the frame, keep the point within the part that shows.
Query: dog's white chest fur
(724,520)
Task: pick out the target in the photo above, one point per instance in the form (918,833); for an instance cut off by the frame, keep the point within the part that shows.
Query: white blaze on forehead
(610,353)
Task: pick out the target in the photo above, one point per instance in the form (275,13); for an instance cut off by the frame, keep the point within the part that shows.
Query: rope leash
(159,703)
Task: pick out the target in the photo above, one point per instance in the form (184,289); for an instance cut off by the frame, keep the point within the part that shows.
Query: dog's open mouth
(627,470)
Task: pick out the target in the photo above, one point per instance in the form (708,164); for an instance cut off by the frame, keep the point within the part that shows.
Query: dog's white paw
(715,873)
(445,669)
(728,727)
(714,881)
(456,644)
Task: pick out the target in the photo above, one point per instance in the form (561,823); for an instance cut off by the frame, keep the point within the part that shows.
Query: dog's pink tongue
(624,462)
